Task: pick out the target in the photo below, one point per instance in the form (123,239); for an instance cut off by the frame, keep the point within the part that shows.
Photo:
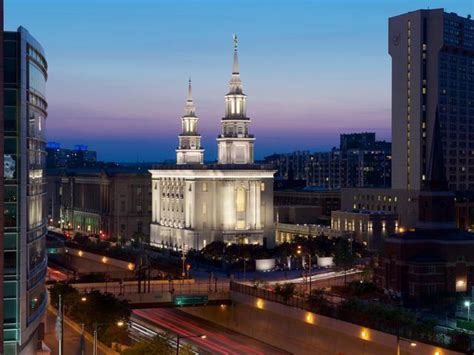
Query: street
(219,340)
(71,338)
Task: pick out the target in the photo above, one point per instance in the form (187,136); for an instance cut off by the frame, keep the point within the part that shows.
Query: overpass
(163,293)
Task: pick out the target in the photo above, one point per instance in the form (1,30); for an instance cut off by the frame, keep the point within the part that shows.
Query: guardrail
(268,295)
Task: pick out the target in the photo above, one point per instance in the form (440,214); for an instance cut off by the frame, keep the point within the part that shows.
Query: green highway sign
(190,300)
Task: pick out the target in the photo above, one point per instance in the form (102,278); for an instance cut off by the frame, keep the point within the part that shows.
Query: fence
(175,287)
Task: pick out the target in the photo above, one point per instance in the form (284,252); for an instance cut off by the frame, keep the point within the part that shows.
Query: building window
(204,186)
(240,200)
(262,186)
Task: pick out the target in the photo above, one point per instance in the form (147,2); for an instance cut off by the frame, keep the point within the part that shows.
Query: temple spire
(189,109)
(189,150)
(235,84)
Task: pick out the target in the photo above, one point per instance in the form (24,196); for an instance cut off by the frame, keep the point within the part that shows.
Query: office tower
(432,69)
(25,262)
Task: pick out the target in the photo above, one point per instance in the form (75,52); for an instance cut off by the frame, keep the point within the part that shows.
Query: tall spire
(235,84)
(235,143)
(436,169)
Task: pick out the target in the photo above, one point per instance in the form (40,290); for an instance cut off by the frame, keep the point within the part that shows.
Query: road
(71,338)
(219,340)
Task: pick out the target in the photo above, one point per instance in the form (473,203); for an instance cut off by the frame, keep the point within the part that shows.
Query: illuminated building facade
(25,264)
(232,201)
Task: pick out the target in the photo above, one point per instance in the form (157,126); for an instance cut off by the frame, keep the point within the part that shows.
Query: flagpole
(60,313)
(62,330)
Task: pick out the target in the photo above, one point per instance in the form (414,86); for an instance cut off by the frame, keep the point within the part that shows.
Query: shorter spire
(189,109)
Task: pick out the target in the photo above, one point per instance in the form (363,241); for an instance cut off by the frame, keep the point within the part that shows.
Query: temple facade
(194,204)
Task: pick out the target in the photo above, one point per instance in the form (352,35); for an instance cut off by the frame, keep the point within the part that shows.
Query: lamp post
(299,251)
(399,339)
(179,337)
(119,324)
(468,305)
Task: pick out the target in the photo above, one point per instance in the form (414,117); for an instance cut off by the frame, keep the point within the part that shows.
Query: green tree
(319,304)
(343,257)
(286,291)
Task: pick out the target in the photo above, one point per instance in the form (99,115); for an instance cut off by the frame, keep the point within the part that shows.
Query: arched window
(240,200)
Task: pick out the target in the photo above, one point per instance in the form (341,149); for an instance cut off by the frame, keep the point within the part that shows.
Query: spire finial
(190,92)
(236,41)
(235,66)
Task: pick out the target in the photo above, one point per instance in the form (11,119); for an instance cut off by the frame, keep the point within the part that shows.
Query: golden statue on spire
(236,41)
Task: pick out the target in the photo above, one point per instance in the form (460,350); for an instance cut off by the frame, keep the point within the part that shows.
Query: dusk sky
(118,69)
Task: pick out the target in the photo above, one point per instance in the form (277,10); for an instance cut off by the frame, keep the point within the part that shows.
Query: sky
(118,70)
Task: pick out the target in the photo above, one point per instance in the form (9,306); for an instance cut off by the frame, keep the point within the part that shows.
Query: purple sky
(118,70)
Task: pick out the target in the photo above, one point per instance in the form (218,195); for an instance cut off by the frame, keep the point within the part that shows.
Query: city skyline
(297,67)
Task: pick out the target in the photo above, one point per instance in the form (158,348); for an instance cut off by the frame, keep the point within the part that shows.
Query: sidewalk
(72,338)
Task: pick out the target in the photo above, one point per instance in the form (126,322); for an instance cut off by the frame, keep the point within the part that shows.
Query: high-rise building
(25,262)
(360,161)
(432,69)
(1,175)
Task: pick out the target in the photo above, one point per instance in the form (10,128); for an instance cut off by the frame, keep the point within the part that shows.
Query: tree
(343,257)
(286,291)
(319,304)
(460,340)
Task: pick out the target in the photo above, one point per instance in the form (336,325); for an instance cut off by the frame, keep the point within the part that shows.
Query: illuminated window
(204,186)
(240,200)
(262,186)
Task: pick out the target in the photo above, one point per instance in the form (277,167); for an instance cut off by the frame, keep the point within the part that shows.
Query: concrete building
(432,72)
(25,261)
(432,69)
(109,202)
(232,201)
(308,205)
(368,227)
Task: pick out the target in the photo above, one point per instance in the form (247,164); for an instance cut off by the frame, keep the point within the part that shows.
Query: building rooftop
(442,235)
(213,167)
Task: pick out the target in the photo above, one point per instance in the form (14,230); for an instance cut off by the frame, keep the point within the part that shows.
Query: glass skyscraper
(25,265)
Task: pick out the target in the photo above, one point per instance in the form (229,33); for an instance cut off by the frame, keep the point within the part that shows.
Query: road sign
(190,300)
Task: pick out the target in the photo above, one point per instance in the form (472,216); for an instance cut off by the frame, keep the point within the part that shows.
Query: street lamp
(299,251)
(179,337)
(399,339)
(119,324)
(468,305)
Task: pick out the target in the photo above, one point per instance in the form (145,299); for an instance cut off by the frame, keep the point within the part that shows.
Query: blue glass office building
(25,266)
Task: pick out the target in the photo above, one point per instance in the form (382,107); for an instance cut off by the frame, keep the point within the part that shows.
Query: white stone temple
(232,201)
